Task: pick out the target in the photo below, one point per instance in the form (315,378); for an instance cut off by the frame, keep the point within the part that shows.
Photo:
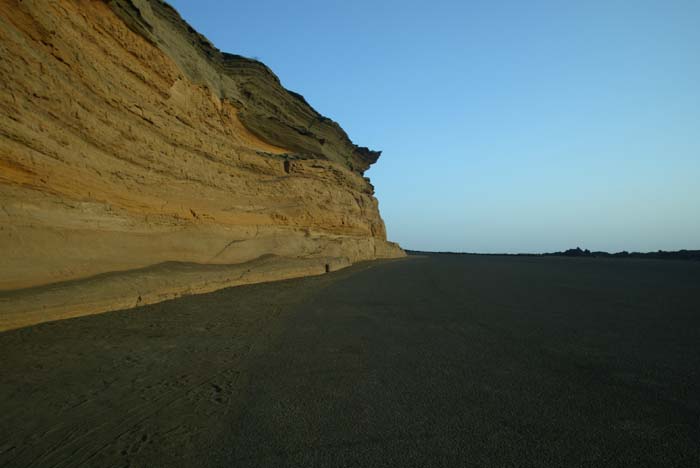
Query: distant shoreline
(584,253)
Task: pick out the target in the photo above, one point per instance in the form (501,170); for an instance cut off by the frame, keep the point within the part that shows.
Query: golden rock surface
(127,140)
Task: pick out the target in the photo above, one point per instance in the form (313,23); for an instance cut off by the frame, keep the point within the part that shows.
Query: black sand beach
(440,360)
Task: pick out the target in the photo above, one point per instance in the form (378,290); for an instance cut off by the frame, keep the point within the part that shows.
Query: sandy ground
(430,361)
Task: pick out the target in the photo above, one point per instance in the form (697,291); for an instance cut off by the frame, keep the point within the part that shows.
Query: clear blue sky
(505,126)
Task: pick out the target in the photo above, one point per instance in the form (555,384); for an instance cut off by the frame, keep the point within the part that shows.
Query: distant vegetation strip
(578,252)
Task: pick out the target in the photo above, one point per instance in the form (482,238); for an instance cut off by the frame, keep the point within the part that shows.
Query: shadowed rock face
(276,115)
(128,140)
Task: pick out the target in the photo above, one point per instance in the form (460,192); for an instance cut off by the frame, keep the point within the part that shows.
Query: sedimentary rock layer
(128,140)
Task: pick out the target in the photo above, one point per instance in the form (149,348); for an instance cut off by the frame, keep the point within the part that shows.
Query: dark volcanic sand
(443,360)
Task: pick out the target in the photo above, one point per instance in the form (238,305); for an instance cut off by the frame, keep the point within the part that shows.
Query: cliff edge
(129,142)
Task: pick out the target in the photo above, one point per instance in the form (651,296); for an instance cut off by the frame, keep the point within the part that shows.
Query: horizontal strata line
(122,290)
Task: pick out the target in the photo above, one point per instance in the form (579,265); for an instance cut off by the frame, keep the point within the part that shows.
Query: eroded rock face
(128,140)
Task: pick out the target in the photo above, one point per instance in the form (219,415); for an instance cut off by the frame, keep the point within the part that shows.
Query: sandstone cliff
(127,140)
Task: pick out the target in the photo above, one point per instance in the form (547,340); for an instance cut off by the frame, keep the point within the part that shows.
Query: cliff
(129,143)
